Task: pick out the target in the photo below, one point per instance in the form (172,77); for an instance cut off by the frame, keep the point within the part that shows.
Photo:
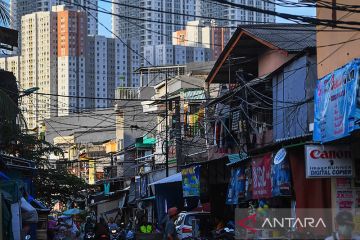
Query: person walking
(344,225)
(170,230)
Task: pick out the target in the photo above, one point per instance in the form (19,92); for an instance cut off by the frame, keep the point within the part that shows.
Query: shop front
(274,183)
(338,163)
(336,129)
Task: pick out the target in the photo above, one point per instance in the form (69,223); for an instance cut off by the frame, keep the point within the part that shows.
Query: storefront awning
(173,178)
(236,158)
(28,212)
(148,198)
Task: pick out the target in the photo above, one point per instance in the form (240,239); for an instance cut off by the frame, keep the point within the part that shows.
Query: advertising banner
(280,174)
(261,170)
(328,161)
(144,187)
(337,103)
(191,181)
(236,187)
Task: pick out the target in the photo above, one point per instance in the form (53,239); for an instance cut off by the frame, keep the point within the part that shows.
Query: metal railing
(127,93)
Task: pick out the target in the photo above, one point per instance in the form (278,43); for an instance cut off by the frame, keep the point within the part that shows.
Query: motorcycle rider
(112,224)
(102,230)
(89,226)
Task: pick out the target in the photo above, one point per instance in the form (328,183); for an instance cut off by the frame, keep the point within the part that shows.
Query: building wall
(106,59)
(147,32)
(344,44)
(20,8)
(71,29)
(203,34)
(234,16)
(91,9)
(39,65)
(11,64)
(294,84)
(271,60)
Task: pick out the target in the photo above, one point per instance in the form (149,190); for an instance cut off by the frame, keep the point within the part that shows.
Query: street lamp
(29,91)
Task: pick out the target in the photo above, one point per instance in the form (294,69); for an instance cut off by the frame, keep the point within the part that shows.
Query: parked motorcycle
(225,234)
(114,233)
(127,233)
(89,236)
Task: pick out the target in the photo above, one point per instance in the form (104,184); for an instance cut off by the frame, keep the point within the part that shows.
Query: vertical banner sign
(261,170)
(236,187)
(337,103)
(280,174)
(92,172)
(144,185)
(191,181)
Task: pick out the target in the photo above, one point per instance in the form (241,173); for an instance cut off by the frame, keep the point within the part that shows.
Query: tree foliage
(50,185)
(54,185)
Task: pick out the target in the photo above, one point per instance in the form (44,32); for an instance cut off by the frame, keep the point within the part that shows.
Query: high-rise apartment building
(38,67)
(111,64)
(73,70)
(71,38)
(205,34)
(156,27)
(234,16)
(166,54)
(20,8)
(107,67)
(88,6)
(153,29)
(11,64)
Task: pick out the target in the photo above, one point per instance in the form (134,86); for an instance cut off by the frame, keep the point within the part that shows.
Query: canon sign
(328,161)
(323,154)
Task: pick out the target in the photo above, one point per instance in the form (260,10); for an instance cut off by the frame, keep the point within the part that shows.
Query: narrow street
(179,120)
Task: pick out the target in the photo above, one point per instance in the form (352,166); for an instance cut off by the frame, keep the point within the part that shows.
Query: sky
(106,19)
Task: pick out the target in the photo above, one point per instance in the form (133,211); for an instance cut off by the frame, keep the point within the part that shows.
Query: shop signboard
(261,171)
(347,198)
(191,181)
(337,104)
(328,161)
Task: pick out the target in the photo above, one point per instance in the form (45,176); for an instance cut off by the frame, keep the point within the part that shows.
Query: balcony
(127,93)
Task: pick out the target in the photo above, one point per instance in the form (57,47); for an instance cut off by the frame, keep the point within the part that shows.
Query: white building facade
(38,67)
(20,8)
(153,30)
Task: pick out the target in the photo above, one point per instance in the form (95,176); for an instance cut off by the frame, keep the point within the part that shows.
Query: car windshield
(179,220)
(204,218)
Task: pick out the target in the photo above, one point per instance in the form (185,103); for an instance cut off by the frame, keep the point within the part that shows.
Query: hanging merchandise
(280,174)
(106,189)
(261,170)
(191,181)
(236,187)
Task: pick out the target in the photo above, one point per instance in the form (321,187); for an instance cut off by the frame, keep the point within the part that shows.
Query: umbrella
(72,211)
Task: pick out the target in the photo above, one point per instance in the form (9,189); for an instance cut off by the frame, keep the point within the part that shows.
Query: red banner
(261,170)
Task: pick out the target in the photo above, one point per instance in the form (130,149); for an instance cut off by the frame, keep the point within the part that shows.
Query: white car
(183,223)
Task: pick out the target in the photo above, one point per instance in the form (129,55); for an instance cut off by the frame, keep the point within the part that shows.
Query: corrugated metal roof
(194,94)
(287,36)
